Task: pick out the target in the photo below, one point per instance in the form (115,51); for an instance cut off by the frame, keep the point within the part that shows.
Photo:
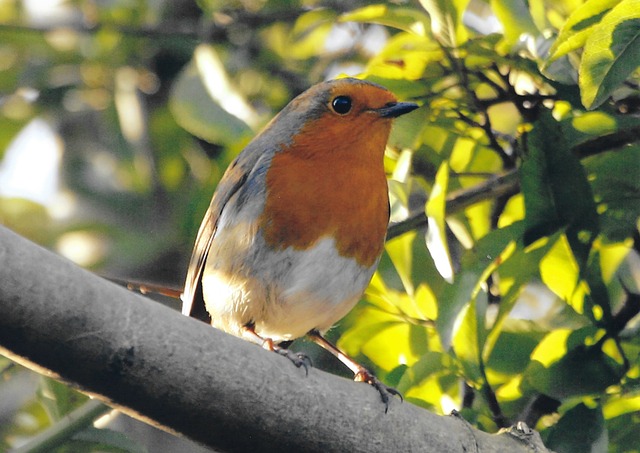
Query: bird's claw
(297,358)
(386,392)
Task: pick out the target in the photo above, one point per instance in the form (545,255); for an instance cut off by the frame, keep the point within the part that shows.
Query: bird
(297,224)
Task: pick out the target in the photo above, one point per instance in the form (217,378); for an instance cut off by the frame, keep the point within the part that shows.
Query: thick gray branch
(179,373)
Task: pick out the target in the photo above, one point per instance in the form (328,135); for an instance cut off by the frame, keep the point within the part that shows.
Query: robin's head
(345,113)
(342,113)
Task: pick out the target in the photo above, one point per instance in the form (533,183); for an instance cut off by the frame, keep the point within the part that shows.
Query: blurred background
(118,118)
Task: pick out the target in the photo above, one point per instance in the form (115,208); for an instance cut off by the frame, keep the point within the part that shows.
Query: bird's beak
(395,109)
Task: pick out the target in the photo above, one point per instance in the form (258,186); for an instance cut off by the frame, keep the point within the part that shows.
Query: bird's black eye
(341,104)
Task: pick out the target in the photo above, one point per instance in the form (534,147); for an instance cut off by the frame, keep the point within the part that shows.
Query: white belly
(284,293)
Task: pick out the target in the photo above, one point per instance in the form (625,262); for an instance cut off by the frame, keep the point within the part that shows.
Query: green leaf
(556,191)
(623,433)
(383,339)
(57,398)
(580,284)
(621,404)
(309,35)
(616,186)
(539,9)
(405,57)
(437,230)
(515,272)
(515,17)
(203,103)
(621,411)
(512,350)
(582,429)
(446,20)
(564,365)
(311,20)
(469,338)
(411,261)
(431,382)
(430,363)
(10,129)
(476,264)
(560,272)
(579,26)
(407,19)
(611,53)
(558,197)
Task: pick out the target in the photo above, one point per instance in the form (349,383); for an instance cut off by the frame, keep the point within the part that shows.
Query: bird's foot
(297,358)
(386,392)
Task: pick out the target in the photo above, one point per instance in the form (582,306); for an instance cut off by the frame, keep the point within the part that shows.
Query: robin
(297,224)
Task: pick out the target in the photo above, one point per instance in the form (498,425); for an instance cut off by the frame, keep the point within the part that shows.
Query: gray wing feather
(233,179)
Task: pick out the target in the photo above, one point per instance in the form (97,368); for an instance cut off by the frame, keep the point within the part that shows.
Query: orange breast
(329,183)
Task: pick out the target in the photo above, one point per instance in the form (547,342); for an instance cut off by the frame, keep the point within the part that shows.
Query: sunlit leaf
(564,365)
(477,264)
(446,20)
(623,435)
(469,338)
(405,57)
(58,399)
(407,19)
(399,343)
(309,35)
(310,20)
(482,51)
(579,26)
(437,229)
(517,269)
(404,89)
(611,257)
(561,274)
(26,217)
(611,53)
(411,261)
(429,363)
(431,382)
(513,212)
(420,307)
(595,123)
(622,404)
(384,340)
(195,110)
(583,128)
(539,10)
(515,17)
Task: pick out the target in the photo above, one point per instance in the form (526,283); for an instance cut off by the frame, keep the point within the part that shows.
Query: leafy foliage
(512,264)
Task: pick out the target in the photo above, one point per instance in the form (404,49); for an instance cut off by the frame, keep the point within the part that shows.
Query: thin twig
(507,160)
(607,142)
(461,199)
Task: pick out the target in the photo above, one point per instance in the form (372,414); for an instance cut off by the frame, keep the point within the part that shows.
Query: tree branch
(460,199)
(179,373)
(603,143)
